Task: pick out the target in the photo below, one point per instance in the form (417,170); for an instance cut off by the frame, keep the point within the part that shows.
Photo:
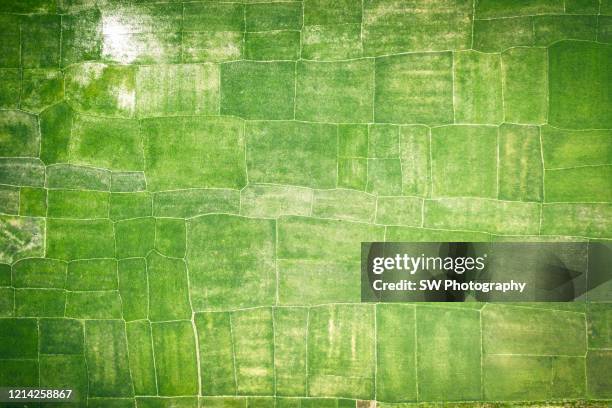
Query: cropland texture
(184,187)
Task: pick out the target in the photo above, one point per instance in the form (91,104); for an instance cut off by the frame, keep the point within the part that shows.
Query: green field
(184,187)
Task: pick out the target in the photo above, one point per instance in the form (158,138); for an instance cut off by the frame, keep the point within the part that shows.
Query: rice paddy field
(185,186)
